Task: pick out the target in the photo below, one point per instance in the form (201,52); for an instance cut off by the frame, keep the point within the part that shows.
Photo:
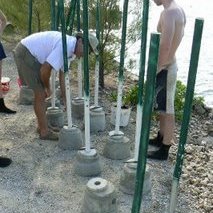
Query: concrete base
(78,108)
(99,197)
(70,139)
(87,163)
(26,96)
(117,148)
(128,176)
(97,119)
(55,117)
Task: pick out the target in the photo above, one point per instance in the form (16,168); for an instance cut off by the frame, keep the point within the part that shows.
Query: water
(193,9)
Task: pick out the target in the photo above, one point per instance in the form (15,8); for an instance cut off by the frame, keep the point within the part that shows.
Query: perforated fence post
(30,14)
(198,29)
(146,118)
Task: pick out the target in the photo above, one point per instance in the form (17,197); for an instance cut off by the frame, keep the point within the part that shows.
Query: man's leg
(167,125)
(40,111)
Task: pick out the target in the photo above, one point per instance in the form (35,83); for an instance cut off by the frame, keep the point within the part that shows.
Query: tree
(110,23)
(17,14)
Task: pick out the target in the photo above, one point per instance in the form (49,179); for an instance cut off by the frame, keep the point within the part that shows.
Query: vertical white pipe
(80,78)
(138,131)
(96,83)
(173,201)
(87,123)
(68,101)
(53,77)
(119,104)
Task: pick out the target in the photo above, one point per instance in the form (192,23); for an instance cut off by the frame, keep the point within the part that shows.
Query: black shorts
(161,88)
(165,89)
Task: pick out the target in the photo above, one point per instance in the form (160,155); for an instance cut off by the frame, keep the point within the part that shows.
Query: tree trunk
(101,73)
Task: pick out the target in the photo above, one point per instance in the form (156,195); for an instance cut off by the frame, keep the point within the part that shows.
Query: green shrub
(179,99)
(130,98)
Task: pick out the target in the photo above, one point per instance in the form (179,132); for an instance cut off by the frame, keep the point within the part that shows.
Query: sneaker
(158,141)
(50,136)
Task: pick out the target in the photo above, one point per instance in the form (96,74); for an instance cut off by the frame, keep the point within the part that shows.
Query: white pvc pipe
(96,83)
(87,123)
(80,78)
(119,104)
(53,77)
(138,131)
(173,200)
(68,101)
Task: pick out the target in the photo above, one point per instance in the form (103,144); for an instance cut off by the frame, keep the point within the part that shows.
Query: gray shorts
(28,68)
(165,89)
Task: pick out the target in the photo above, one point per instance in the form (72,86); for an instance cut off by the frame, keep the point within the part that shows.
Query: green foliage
(130,98)
(198,101)
(179,99)
(17,14)
(110,21)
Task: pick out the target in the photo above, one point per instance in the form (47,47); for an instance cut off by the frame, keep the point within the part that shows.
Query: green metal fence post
(141,75)
(78,12)
(86,76)
(145,128)
(187,110)
(71,16)
(53,21)
(121,68)
(63,30)
(30,13)
(58,14)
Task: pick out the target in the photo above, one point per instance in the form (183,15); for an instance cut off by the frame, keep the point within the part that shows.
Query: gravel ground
(42,177)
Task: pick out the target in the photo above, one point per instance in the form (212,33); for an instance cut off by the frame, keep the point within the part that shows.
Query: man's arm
(166,38)
(45,72)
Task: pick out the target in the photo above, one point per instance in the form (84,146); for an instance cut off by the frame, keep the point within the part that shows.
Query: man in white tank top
(171,26)
(36,56)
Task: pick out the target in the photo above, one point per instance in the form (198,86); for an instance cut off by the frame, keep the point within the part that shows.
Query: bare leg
(40,111)
(167,125)
(162,123)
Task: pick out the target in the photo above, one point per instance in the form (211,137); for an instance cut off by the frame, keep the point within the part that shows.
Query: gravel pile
(42,178)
